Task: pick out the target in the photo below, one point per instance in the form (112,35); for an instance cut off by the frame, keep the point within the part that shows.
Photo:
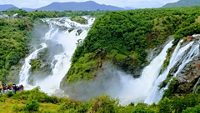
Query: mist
(111,81)
(117,84)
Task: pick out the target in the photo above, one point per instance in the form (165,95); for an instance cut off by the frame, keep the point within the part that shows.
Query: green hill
(184,3)
(123,39)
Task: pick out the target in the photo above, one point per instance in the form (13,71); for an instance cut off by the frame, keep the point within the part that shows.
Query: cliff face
(188,79)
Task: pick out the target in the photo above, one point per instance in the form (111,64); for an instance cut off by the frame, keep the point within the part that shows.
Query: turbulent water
(63,36)
(147,88)
(179,59)
(136,90)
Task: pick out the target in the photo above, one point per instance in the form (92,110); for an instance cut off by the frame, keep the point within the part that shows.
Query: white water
(24,73)
(136,90)
(180,58)
(146,88)
(61,61)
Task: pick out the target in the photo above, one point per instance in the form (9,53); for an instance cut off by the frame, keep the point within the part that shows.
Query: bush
(16,108)
(165,106)
(10,93)
(195,109)
(35,65)
(79,19)
(103,104)
(35,94)
(32,106)
(141,108)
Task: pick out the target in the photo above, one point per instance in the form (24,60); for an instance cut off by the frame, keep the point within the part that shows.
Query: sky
(119,3)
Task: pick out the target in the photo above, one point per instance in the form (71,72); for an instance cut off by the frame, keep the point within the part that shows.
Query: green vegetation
(35,64)
(41,64)
(53,14)
(79,19)
(123,38)
(14,35)
(32,106)
(38,102)
(167,60)
(171,88)
(166,81)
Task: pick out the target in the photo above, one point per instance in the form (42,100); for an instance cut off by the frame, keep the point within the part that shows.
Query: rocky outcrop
(188,79)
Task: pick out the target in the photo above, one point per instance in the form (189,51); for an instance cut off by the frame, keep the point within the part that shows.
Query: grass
(13,105)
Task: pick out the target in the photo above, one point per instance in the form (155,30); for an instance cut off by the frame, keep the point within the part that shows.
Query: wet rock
(189,77)
(79,32)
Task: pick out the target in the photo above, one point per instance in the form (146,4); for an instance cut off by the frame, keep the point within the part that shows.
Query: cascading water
(136,90)
(62,32)
(24,73)
(179,59)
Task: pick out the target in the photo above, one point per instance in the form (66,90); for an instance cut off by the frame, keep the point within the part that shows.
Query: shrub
(32,106)
(195,109)
(165,106)
(103,104)
(16,108)
(79,19)
(10,93)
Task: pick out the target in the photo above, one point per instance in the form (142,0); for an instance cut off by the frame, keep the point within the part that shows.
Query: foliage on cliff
(14,35)
(123,38)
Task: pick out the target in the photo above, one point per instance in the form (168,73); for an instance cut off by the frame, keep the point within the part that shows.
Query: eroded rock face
(189,77)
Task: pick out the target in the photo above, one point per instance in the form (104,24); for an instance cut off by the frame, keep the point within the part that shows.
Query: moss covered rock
(79,19)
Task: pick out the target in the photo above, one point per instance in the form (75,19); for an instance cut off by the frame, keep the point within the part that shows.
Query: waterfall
(179,59)
(146,88)
(62,33)
(119,84)
(137,89)
(24,73)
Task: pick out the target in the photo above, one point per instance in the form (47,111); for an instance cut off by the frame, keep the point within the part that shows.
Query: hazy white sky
(120,3)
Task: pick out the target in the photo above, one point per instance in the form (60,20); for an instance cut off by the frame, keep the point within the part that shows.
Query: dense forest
(122,37)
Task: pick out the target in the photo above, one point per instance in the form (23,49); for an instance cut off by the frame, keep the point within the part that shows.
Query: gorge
(68,34)
(144,60)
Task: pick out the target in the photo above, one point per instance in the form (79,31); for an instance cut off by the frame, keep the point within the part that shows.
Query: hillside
(7,7)
(124,37)
(183,3)
(78,6)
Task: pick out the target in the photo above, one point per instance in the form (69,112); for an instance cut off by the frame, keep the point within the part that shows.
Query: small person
(1,88)
(14,88)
